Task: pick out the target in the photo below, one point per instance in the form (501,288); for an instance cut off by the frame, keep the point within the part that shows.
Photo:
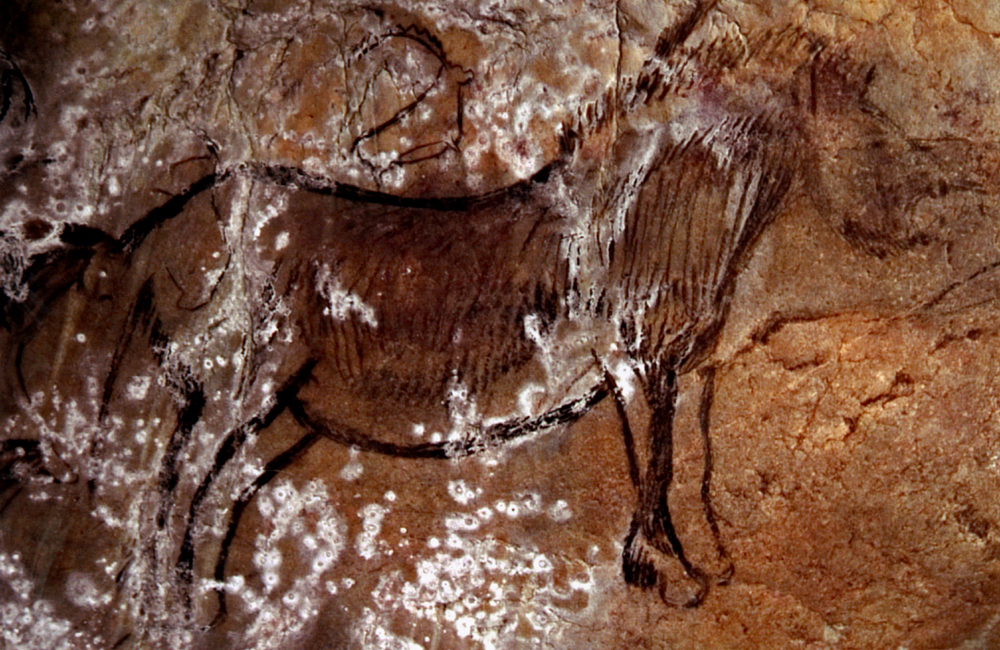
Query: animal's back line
(299,179)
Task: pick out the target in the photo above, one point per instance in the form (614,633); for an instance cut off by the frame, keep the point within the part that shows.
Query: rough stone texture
(854,438)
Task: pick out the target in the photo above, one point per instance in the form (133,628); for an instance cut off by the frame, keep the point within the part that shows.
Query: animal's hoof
(647,566)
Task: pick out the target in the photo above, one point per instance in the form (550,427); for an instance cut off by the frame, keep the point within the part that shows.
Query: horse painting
(443,326)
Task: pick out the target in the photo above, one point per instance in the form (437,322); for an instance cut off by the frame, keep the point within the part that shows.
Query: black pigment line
(6,92)
(18,371)
(187,418)
(629,439)
(941,295)
(655,521)
(80,235)
(349,437)
(301,180)
(493,436)
(141,313)
(120,642)
(271,470)
(48,276)
(137,232)
(12,444)
(400,114)
(7,79)
(676,35)
(636,569)
(566,413)
(704,422)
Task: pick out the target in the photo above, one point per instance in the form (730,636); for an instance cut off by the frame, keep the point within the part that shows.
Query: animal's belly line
(490,437)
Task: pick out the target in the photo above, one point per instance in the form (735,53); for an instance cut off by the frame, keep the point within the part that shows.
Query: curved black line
(350,437)
(7,79)
(278,463)
(140,315)
(491,437)
(137,232)
(629,439)
(187,417)
(704,423)
(6,92)
(399,115)
(564,414)
(85,240)
(302,180)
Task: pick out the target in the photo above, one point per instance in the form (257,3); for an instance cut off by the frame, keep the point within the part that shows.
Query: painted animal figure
(471,321)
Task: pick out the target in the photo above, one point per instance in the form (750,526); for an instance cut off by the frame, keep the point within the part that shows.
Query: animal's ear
(30,283)
(887,193)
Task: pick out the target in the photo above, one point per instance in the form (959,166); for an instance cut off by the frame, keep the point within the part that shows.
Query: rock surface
(225,420)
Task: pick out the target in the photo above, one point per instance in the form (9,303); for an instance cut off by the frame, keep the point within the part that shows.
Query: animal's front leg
(653,555)
(704,425)
(226,452)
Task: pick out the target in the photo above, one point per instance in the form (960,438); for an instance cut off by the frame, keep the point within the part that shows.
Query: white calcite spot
(462,493)
(342,303)
(466,580)
(559,511)
(281,241)
(527,398)
(138,387)
(353,469)
(366,541)
(82,591)
(268,214)
(461,522)
(369,632)
(28,622)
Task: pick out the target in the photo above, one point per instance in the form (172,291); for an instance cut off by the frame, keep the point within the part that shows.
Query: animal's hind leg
(653,553)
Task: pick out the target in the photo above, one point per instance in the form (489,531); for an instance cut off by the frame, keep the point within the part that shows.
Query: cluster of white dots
(283,507)
(70,431)
(468,584)
(366,541)
(342,304)
(470,577)
(370,633)
(287,603)
(31,624)
(462,493)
